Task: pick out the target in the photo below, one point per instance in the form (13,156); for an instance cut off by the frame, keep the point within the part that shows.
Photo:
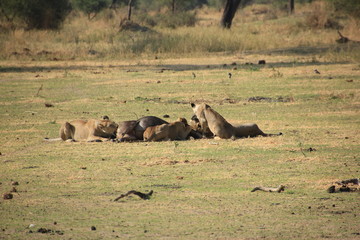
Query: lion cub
(178,130)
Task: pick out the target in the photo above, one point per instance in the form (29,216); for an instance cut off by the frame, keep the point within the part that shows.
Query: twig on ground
(144,196)
(37,94)
(267,189)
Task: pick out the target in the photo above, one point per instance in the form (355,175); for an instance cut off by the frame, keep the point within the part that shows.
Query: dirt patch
(268,99)
(48,231)
(168,186)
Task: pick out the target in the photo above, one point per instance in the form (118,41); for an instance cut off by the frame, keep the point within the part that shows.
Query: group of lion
(206,123)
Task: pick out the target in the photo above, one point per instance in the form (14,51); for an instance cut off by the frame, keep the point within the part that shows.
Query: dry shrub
(259,12)
(320,17)
(127,25)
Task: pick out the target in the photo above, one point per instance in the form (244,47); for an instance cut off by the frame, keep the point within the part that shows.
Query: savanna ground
(202,188)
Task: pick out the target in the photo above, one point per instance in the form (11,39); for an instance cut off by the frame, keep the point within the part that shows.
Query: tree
(9,9)
(91,7)
(229,12)
(40,14)
(291,6)
(351,7)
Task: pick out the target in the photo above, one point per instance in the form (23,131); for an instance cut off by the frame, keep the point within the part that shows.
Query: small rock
(166,116)
(93,228)
(262,62)
(14,183)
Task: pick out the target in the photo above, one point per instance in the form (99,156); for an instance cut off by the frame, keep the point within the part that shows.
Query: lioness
(209,119)
(196,128)
(178,130)
(87,130)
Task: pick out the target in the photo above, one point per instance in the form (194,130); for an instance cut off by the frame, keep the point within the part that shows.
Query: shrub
(351,7)
(91,7)
(320,17)
(40,14)
(168,20)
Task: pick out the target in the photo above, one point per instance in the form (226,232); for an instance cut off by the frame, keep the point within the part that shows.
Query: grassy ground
(201,187)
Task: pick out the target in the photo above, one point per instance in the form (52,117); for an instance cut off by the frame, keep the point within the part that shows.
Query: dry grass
(202,187)
(258,27)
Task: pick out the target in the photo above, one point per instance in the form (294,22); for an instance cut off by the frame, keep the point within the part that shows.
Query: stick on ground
(144,196)
(267,189)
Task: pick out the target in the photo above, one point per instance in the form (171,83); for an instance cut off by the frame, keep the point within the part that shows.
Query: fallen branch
(267,189)
(342,39)
(144,196)
(41,87)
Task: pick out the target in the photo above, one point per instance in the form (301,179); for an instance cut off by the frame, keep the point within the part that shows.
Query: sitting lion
(87,130)
(178,130)
(212,121)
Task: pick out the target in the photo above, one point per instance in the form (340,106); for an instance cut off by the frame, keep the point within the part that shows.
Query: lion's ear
(192,105)
(207,106)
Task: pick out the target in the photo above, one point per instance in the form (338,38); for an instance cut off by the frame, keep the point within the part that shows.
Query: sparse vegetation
(307,88)
(256,28)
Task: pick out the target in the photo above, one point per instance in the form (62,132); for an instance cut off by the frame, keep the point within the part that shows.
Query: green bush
(39,14)
(351,7)
(91,7)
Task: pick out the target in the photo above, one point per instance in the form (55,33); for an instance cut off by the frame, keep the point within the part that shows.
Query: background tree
(291,6)
(91,7)
(230,9)
(351,7)
(9,9)
(40,14)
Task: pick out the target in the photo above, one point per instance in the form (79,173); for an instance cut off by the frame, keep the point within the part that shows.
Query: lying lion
(87,130)
(178,130)
(212,121)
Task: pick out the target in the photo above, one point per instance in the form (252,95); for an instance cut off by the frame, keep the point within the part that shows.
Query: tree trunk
(229,12)
(173,6)
(129,10)
(291,6)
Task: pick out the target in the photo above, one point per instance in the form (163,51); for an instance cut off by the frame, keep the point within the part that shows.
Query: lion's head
(107,126)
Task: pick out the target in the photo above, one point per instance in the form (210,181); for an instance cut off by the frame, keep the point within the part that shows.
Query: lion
(87,130)
(197,129)
(212,121)
(178,130)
